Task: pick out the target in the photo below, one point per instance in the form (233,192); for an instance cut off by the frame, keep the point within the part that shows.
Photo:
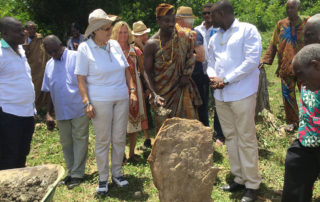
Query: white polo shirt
(16,88)
(104,69)
(234,55)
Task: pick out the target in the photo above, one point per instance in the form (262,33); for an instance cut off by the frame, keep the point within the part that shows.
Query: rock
(181,161)
(137,194)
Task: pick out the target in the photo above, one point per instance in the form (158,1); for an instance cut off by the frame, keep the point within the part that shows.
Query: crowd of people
(113,76)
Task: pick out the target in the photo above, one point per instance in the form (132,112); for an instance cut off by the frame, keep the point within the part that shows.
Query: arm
(88,108)
(148,66)
(132,90)
(272,48)
(200,55)
(252,52)
(49,119)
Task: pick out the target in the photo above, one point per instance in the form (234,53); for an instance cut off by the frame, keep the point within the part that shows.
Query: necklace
(161,49)
(225,42)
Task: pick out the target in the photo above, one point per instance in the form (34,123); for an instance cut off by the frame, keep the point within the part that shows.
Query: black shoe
(74,182)
(250,195)
(65,181)
(232,187)
(147,143)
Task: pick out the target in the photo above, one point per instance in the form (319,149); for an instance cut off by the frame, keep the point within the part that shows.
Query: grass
(272,150)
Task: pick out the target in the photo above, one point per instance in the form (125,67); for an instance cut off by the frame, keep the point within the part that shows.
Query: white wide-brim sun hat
(97,19)
(139,28)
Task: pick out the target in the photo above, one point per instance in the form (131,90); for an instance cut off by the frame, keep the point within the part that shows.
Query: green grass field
(272,150)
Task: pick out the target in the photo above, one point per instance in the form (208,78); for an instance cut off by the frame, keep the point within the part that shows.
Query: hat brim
(186,16)
(98,23)
(141,32)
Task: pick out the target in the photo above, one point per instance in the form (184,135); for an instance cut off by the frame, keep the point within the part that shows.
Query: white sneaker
(120,181)
(102,187)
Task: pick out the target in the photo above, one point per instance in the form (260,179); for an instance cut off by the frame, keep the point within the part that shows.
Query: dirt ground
(27,184)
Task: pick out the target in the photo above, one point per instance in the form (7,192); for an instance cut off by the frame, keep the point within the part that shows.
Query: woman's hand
(133,100)
(89,109)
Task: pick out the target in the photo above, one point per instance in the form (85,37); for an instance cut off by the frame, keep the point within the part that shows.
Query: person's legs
(203,88)
(65,132)
(102,125)
(302,166)
(80,136)
(289,100)
(15,139)
(132,143)
(244,113)
(119,127)
(227,120)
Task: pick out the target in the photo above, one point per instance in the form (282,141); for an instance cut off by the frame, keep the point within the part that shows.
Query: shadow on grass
(133,192)
(265,154)
(217,157)
(265,193)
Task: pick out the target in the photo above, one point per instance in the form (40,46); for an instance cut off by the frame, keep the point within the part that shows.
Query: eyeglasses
(206,13)
(106,29)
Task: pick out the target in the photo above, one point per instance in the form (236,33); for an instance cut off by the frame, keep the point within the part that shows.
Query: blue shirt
(59,79)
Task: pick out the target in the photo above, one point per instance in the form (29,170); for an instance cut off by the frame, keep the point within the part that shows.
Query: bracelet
(132,89)
(88,103)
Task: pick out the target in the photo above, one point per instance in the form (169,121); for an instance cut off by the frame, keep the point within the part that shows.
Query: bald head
(53,46)
(306,65)
(12,31)
(312,30)
(296,2)
(225,6)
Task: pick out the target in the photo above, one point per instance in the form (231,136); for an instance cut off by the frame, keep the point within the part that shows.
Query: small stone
(137,194)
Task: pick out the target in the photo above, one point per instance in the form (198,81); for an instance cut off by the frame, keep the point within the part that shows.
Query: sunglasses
(206,13)
(106,29)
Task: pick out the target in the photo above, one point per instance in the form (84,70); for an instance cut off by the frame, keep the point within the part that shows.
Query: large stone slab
(181,161)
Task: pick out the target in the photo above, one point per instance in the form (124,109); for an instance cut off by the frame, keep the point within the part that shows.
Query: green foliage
(14,8)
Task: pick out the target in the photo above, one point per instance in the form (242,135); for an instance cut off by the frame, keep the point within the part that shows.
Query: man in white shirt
(16,96)
(234,53)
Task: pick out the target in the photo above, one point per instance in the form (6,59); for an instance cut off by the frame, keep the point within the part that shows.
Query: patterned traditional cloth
(163,9)
(287,40)
(183,102)
(309,118)
(37,59)
(137,118)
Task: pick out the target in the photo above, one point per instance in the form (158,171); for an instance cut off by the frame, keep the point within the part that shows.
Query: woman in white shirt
(107,89)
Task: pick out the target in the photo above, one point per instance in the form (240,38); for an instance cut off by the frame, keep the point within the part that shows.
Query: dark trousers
(15,139)
(202,82)
(302,168)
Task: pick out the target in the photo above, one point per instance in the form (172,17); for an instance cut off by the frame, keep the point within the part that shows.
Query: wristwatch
(225,81)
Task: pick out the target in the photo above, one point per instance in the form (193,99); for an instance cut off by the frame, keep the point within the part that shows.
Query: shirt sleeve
(199,39)
(45,81)
(82,61)
(272,48)
(252,52)
(211,60)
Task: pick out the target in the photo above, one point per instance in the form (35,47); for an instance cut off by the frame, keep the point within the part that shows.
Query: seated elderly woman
(137,114)
(106,88)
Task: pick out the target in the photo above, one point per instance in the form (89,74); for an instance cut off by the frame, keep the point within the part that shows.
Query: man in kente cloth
(37,59)
(169,63)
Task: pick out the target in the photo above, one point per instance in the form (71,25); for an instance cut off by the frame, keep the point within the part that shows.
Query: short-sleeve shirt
(104,69)
(59,79)
(309,118)
(16,88)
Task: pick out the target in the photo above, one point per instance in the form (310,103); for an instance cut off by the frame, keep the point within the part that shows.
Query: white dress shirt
(234,55)
(104,69)
(16,88)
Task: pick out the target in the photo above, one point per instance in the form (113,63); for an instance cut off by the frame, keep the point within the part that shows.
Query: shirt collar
(63,56)
(4,44)
(204,27)
(234,25)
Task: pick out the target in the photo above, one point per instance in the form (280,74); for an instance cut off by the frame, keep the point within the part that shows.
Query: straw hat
(185,12)
(139,28)
(97,19)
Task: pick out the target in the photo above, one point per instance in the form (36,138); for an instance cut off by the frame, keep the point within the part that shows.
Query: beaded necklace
(161,49)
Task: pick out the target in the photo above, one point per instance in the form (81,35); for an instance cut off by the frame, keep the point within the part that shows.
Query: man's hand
(216,83)
(156,100)
(50,122)
(261,65)
(89,109)
(185,80)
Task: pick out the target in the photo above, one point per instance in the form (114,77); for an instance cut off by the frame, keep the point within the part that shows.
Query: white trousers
(110,125)
(238,126)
